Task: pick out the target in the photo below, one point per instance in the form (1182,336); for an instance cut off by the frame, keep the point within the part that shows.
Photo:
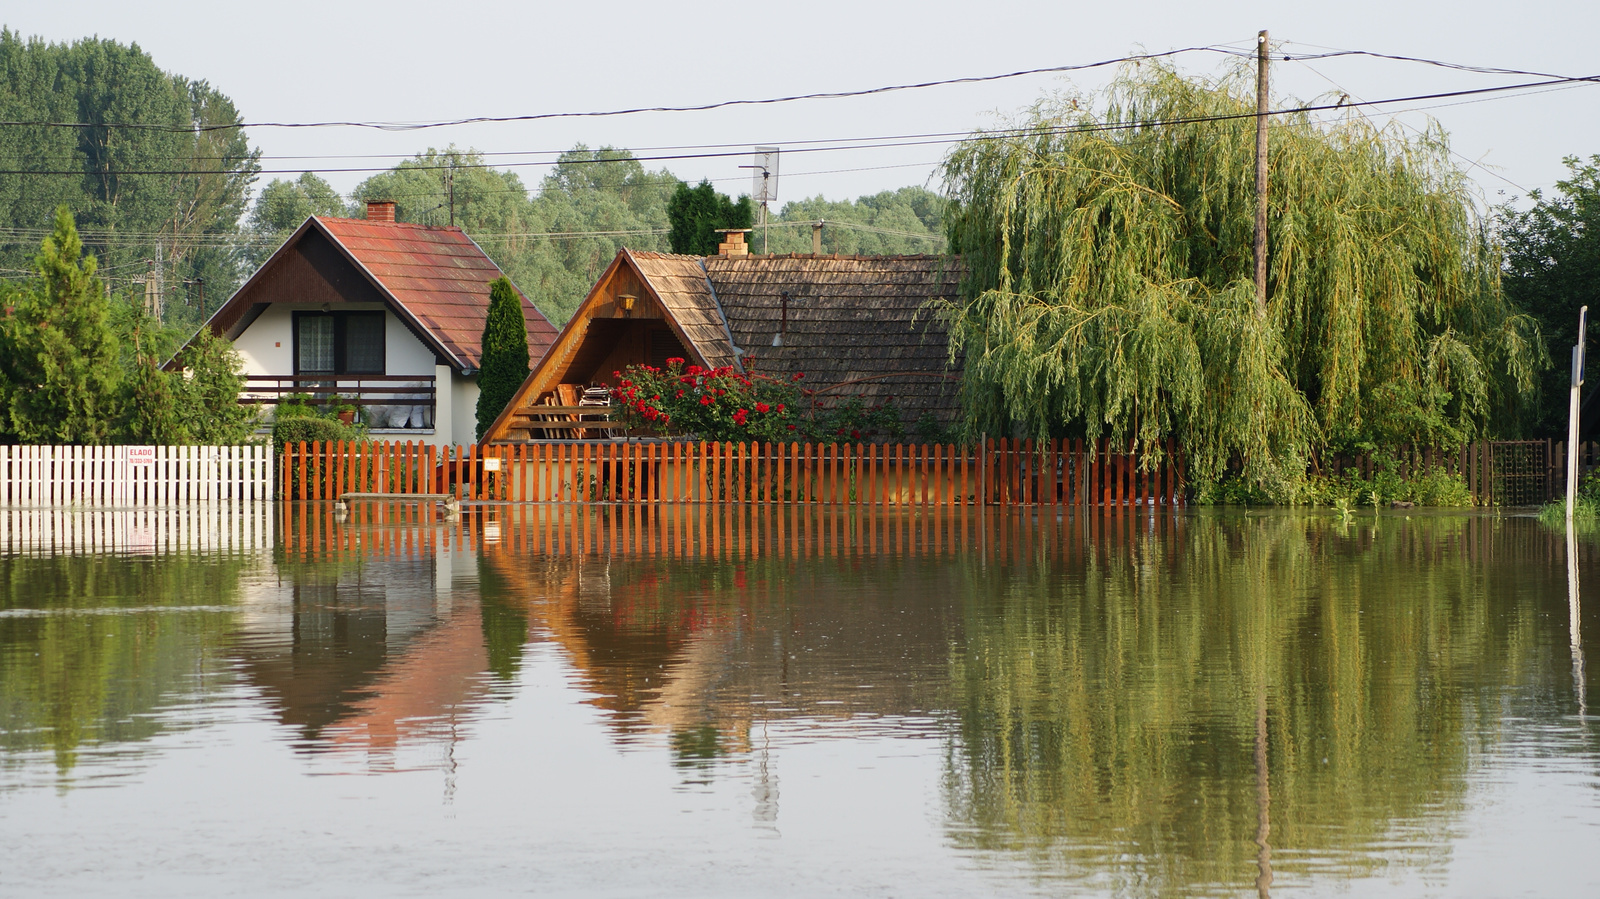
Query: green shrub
(299,428)
(1436,487)
(296,405)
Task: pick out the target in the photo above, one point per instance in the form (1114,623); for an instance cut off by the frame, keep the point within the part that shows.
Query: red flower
(791,427)
(679,395)
(674,360)
(798,375)
(855,435)
(705,400)
(780,407)
(741,416)
(763,407)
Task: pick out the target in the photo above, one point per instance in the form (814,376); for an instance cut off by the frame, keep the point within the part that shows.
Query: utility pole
(450,187)
(1572,414)
(1261,174)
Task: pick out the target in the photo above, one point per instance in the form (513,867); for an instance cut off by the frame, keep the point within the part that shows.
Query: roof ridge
(660,255)
(417,225)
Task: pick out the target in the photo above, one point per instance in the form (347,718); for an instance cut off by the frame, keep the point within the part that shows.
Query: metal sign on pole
(1572,413)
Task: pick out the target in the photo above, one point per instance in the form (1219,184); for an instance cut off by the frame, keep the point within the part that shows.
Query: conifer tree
(58,355)
(505,353)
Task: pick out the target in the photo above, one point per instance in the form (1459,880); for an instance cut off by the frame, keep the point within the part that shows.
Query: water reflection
(368,650)
(100,653)
(1135,703)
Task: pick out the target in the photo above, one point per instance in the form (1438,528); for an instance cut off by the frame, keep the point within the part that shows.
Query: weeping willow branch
(1111,293)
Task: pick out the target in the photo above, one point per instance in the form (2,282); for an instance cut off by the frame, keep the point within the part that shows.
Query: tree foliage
(1111,283)
(172,194)
(64,378)
(283,206)
(698,213)
(907,221)
(58,374)
(1553,269)
(505,353)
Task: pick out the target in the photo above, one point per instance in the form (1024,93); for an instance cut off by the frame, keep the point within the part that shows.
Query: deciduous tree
(1111,286)
(1553,269)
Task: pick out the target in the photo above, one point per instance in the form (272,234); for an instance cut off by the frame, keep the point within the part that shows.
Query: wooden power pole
(1261,174)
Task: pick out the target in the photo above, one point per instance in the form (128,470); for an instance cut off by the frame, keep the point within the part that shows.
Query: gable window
(338,343)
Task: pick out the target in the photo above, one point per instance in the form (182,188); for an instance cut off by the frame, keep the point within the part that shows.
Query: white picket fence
(133,475)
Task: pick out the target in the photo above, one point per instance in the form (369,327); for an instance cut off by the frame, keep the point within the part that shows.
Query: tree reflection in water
(1113,710)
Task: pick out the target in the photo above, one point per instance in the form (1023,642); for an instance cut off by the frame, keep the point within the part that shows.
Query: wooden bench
(452,505)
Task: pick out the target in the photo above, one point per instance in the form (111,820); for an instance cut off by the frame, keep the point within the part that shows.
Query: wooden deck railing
(1000,472)
(357,390)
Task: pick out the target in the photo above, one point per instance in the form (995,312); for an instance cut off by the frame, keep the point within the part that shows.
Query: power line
(721,104)
(893,143)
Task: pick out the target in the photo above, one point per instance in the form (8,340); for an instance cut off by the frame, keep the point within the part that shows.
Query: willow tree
(1111,290)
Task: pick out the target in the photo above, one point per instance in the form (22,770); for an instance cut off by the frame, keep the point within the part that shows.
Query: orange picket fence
(999,472)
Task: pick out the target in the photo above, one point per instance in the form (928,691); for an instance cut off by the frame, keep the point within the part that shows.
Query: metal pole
(1572,414)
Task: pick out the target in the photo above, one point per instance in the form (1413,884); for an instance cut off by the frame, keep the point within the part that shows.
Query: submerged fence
(133,475)
(1496,472)
(999,472)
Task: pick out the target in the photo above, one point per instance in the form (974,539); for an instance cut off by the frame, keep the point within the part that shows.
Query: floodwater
(684,702)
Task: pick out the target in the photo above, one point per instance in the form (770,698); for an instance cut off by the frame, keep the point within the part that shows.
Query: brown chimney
(380,210)
(732,242)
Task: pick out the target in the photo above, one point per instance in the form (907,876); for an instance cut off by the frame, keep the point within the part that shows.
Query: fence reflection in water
(703,531)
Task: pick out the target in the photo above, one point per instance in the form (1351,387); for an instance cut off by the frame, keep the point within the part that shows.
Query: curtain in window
(316,343)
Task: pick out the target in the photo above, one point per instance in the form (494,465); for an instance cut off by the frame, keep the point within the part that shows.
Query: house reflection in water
(368,651)
(375,649)
(702,650)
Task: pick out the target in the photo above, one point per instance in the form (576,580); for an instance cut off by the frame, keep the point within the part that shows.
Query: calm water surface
(608,703)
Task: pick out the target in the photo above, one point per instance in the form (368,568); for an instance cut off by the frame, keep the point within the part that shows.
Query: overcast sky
(295,61)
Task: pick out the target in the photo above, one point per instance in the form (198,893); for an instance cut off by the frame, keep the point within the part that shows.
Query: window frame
(340,346)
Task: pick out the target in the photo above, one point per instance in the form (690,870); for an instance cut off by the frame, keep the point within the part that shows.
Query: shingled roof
(680,283)
(436,280)
(858,323)
(440,276)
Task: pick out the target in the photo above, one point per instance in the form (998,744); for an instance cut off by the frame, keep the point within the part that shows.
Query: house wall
(464,408)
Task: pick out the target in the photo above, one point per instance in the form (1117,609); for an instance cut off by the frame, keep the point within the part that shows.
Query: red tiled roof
(440,277)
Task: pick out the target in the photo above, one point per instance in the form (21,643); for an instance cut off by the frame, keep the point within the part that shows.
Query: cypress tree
(505,353)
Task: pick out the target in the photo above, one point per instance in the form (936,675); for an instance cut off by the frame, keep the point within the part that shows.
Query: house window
(338,343)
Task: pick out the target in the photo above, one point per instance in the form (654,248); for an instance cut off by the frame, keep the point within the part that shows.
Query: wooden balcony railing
(355,390)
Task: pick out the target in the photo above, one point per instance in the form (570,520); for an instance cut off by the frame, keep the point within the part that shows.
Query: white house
(386,314)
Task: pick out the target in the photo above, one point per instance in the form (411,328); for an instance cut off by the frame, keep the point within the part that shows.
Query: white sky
(301,61)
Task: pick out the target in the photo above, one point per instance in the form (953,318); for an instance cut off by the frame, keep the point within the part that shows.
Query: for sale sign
(141,456)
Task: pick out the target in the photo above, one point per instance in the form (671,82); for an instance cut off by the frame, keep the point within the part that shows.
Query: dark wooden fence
(1497,472)
(1000,472)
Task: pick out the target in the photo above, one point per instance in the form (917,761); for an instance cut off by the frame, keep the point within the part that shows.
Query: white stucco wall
(267,346)
(465,408)
(404,354)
